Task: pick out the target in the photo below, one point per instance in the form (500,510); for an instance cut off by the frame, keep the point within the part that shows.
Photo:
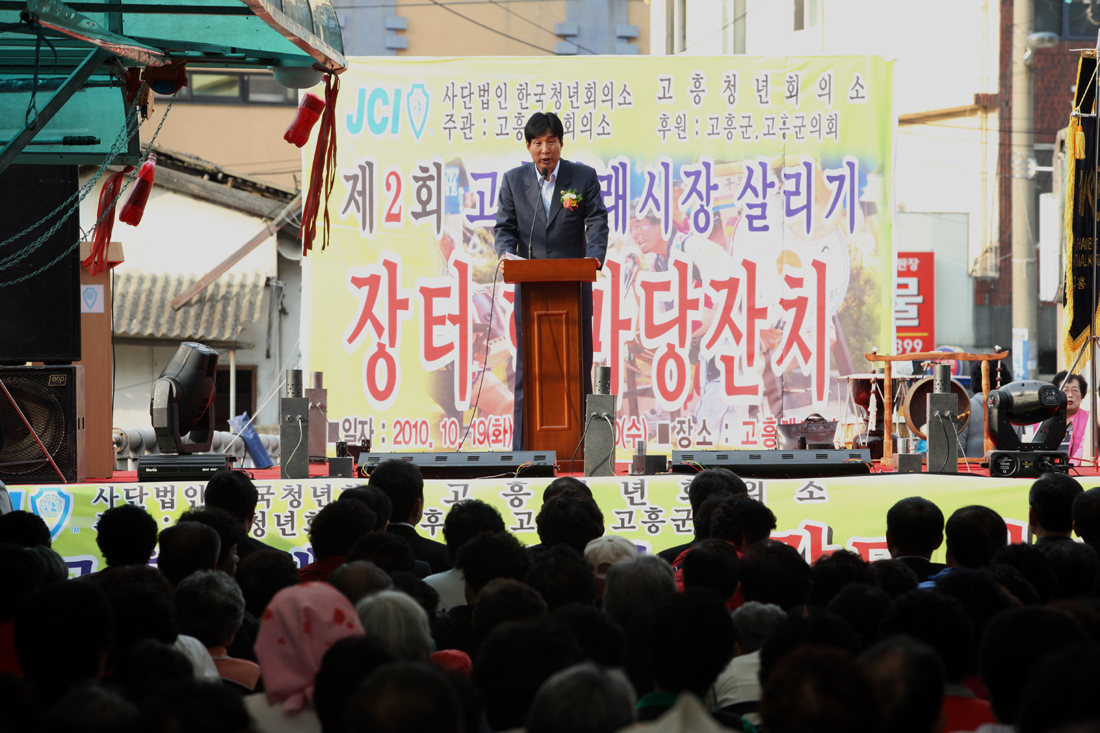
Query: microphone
(543,174)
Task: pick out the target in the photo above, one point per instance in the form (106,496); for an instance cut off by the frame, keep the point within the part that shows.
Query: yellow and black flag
(1080,214)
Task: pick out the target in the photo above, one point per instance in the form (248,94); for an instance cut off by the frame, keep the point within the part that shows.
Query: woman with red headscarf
(299,625)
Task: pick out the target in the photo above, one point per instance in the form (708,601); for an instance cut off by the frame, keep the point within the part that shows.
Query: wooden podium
(553,383)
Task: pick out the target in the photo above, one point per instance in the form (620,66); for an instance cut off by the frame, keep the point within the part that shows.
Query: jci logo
(55,506)
(380,110)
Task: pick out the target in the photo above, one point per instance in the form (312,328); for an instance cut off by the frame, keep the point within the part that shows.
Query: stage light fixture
(1027,402)
(182,401)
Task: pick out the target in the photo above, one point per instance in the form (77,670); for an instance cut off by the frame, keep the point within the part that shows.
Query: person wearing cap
(603,552)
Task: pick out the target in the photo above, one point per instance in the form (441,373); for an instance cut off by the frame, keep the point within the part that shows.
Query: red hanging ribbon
(322,176)
(101,238)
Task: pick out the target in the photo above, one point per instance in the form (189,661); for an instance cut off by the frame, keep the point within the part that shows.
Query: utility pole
(1025,293)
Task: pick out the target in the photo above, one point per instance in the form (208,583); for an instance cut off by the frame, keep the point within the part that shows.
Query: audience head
(563,484)
(390,552)
(375,499)
(397,620)
(1076,569)
(229,534)
(702,517)
(754,623)
(713,481)
(814,628)
(894,577)
(20,573)
(1050,503)
(940,622)
(980,594)
(187,547)
(418,590)
(605,551)
(404,697)
(62,635)
(584,698)
(1013,644)
(126,535)
(343,669)
(830,573)
(209,607)
(712,564)
(974,534)
(863,606)
(570,520)
(233,492)
(402,483)
(742,520)
(690,641)
(513,662)
(819,689)
(191,706)
(93,708)
(263,574)
(142,607)
(359,579)
(492,555)
(1061,692)
(298,627)
(601,640)
(909,680)
(23,528)
(914,527)
(634,590)
(467,518)
(562,575)
(335,528)
(148,666)
(503,600)
(1032,563)
(772,572)
(1086,516)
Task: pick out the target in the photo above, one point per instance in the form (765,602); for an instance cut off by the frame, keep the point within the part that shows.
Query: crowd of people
(200,628)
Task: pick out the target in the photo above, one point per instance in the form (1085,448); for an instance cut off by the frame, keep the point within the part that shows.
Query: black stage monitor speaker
(524,464)
(52,401)
(40,315)
(777,463)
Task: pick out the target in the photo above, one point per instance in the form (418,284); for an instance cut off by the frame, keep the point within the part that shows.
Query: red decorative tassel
(134,207)
(101,238)
(322,176)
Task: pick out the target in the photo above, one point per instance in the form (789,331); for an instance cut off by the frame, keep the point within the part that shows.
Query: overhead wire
(490,28)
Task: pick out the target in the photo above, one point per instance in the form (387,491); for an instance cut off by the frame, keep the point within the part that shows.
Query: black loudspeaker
(39,316)
(51,399)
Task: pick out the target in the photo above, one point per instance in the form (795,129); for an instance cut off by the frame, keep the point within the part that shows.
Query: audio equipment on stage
(778,463)
(294,428)
(40,315)
(1026,464)
(51,399)
(182,467)
(471,465)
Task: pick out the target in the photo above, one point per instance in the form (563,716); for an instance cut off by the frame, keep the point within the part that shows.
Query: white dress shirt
(548,189)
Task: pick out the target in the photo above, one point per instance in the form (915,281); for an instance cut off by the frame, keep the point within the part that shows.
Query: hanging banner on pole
(749,259)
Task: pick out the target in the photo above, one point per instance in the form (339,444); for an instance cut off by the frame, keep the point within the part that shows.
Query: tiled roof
(219,313)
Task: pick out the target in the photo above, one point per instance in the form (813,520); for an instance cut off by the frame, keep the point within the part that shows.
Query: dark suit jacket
(922,567)
(522,228)
(432,552)
(247,545)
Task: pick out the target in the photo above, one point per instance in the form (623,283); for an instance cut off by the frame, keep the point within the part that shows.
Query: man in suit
(402,483)
(914,530)
(551,210)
